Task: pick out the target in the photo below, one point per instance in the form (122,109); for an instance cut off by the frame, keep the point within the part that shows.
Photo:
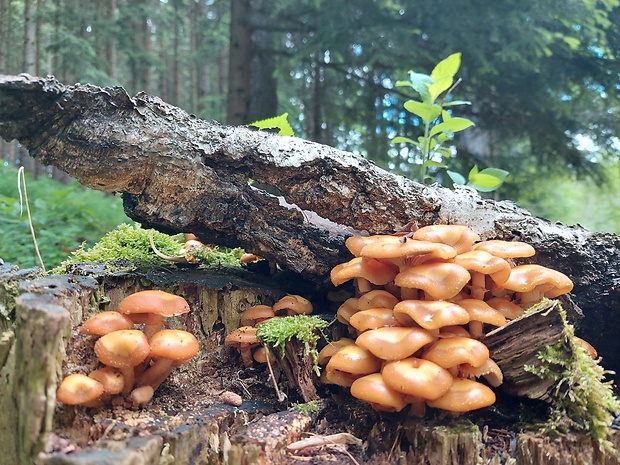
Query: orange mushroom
(349,363)
(292,305)
(464,395)
(366,270)
(373,318)
(430,314)
(437,279)
(151,306)
(106,322)
(417,377)
(243,339)
(461,238)
(79,389)
(124,349)
(394,343)
(481,264)
(533,282)
(256,314)
(373,389)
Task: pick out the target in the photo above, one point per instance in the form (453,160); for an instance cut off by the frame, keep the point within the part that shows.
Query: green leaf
(454,103)
(434,163)
(447,67)
(401,139)
(427,113)
(277,122)
(420,83)
(498,173)
(439,86)
(484,182)
(457,178)
(451,126)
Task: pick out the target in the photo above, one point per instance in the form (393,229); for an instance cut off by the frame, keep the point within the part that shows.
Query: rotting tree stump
(186,423)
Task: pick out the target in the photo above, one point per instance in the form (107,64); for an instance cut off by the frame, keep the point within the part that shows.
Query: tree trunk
(181,174)
(239,65)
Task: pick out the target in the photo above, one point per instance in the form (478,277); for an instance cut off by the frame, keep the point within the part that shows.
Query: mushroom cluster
(135,362)
(244,337)
(423,303)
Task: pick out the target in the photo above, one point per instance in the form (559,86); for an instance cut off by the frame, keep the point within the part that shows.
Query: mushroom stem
(478,285)
(128,379)
(530,297)
(407,293)
(475,329)
(156,374)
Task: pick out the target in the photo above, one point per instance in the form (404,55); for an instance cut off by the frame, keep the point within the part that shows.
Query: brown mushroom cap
(480,264)
(355,244)
(292,305)
(439,280)
(480,311)
(506,307)
(347,310)
(79,389)
(330,349)
(122,349)
(489,370)
(243,339)
(406,252)
(463,396)
(111,379)
(373,389)
(526,278)
(373,318)
(154,301)
(349,363)
(417,377)
(174,344)
(106,322)
(256,314)
(394,343)
(506,249)
(430,314)
(453,351)
(459,237)
(370,269)
(378,298)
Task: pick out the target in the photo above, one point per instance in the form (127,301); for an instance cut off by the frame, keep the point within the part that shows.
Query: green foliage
(308,408)
(439,126)
(581,399)
(277,122)
(306,328)
(64,216)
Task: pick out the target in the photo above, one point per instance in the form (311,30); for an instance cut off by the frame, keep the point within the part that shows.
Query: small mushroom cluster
(244,337)
(423,302)
(135,362)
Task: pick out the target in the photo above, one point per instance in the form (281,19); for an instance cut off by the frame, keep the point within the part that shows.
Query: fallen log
(179,174)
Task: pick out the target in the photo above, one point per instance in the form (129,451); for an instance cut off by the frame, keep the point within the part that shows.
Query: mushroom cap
(483,262)
(506,249)
(154,301)
(463,396)
(489,370)
(373,389)
(110,378)
(355,244)
(349,363)
(359,267)
(122,349)
(261,354)
(255,314)
(377,298)
(78,389)
(292,305)
(330,349)
(438,279)
(480,311)
(506,307)
(394,343)
(525,278)
(417,377)
(174,344)
(395,248)
(585,345)
(453,351)
(459,237)
(241,335)
(106,322)
(430,314)
(141,395)
(347,310)
(373,318)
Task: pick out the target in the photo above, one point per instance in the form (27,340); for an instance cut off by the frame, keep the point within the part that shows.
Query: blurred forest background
(543,78)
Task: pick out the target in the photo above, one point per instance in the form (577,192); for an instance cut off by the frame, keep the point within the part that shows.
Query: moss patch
(306,328)
(582,399)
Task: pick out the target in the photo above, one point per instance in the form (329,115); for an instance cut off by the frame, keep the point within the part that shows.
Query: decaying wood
(180,174)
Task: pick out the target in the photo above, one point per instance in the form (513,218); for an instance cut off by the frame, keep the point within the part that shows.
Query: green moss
(306,328)
(308,408)
(128,247)
(581,399)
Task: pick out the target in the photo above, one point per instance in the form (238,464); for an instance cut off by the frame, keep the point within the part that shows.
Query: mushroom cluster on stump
(423,304)
(135,361)
(244,337)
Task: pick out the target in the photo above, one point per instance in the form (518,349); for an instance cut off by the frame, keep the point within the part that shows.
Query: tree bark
(182,174)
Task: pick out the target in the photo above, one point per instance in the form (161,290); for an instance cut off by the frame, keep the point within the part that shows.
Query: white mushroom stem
(128,379)
(156,374)
(530,297)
